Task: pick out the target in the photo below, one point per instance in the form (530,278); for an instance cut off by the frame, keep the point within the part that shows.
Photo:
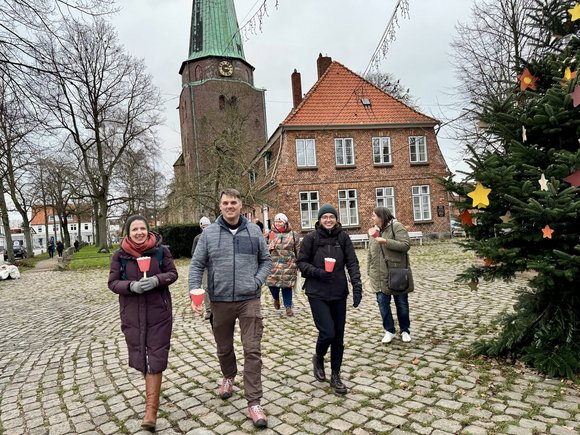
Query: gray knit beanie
(327,208)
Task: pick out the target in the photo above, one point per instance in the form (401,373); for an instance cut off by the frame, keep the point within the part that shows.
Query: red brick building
(350,144)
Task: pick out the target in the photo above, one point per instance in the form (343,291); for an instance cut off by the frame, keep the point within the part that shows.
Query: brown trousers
(251,328)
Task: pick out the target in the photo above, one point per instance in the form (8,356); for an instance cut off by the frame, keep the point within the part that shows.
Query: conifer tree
(520,202)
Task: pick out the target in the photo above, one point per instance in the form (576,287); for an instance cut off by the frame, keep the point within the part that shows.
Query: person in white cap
(203,223)
(283,244)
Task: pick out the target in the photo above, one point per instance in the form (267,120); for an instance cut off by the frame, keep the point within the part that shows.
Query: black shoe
(337,384)
(318,365)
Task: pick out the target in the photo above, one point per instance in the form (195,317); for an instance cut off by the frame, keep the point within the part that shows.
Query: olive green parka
(395,250)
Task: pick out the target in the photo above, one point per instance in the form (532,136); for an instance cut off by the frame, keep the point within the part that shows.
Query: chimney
(322,63)
(296,88)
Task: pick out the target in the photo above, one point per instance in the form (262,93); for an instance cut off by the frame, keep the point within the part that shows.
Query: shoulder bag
(398,276)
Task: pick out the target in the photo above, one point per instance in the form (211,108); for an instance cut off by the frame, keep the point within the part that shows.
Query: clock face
(225,68)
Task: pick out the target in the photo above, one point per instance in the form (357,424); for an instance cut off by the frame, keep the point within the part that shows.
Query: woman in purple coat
(145,306)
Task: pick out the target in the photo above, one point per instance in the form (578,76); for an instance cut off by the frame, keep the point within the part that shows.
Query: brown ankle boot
(152,389)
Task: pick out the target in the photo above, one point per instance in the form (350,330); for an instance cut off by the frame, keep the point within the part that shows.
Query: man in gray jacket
(238,261)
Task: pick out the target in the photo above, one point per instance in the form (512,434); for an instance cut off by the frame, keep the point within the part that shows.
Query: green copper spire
(214,30)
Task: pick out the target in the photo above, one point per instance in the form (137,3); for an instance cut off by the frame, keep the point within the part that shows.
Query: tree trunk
(102,225)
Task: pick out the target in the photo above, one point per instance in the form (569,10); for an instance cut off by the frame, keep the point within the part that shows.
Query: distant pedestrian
(260,224)
(284,245)
(145,306)
(327,291)
(59,248)
(392,245)
(76,244)
(50,247)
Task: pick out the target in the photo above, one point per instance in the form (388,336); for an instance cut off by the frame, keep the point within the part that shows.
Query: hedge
(179,238)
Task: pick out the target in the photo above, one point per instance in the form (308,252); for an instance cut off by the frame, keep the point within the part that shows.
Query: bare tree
(488,53)
(104,101)
(392,86)
(23,21)
(17,128)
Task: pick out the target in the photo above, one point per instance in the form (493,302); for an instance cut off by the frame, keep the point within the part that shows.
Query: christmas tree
(521,203)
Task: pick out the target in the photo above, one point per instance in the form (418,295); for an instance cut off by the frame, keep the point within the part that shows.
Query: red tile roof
(335,99)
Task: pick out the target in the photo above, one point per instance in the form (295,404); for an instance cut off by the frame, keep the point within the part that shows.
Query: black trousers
(330,319)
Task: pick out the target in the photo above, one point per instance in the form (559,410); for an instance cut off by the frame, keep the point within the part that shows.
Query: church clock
(225,68)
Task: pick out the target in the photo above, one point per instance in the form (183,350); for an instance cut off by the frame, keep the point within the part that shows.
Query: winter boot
(337,384)
(152,390)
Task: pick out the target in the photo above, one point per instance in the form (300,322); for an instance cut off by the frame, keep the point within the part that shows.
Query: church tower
(222,114)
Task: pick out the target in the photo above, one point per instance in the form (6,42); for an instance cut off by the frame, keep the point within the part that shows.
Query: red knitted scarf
(137,250)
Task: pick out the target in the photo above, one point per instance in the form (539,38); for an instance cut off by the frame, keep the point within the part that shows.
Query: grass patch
(30,262)
(89,258)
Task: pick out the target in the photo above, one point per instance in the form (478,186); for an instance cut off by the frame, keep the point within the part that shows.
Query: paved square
(63,364)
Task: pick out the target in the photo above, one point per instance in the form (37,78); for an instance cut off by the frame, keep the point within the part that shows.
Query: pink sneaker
(227,388)
(258,416)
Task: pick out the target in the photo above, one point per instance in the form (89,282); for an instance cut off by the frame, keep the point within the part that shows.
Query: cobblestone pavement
(63,365)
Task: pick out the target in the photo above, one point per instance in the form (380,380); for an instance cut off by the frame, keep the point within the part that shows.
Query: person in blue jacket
(237,259)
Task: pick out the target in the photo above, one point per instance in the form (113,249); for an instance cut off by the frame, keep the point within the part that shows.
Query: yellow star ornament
(575,12)
(479,196)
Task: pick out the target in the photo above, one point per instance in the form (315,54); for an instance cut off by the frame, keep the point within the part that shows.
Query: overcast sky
(292,36)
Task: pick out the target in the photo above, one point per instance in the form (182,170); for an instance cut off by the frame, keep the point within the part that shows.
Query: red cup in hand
(373,232)
(144,263)
(329,264)
(196,296)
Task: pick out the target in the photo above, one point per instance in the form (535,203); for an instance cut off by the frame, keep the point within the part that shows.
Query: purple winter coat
(146,319)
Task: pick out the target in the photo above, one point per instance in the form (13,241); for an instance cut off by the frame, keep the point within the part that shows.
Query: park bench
(360,239)
(416,235)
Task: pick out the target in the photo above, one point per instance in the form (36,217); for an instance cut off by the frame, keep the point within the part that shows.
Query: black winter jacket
(336,244)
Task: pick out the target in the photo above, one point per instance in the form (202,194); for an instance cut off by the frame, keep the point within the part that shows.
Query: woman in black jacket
(327,291)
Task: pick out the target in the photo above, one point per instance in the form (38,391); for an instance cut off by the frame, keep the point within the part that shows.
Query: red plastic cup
(144,263)
(373,232)
(271,236)
(329,264)
(196,296)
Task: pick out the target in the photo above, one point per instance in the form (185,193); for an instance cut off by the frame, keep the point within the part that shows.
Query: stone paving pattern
(63,364)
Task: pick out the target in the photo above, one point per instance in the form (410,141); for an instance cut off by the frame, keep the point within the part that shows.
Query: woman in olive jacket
(327,291)
(393,244)
(145,306)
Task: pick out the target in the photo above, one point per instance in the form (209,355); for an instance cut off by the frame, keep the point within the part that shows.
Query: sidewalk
(63,365)
(46,265)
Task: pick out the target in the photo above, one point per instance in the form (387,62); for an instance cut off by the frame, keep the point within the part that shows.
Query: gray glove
(149,283)
(135,287)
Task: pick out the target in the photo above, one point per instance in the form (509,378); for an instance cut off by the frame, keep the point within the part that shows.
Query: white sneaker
(406,337)
(388,337)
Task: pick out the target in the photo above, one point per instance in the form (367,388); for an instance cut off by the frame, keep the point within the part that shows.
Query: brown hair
(230,192)
(384,214)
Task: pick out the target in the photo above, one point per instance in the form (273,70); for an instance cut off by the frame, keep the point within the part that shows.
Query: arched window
(198,73)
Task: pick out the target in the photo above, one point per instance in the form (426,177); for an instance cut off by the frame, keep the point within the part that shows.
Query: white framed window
(348,207)
(418,149)
(51,218)
(267,160)
(86,226)
(421,203)
(73,227)
(344,151)
(382,150)
(252,177)
(305,153)
(385,197)
(39,229)
(309,205)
